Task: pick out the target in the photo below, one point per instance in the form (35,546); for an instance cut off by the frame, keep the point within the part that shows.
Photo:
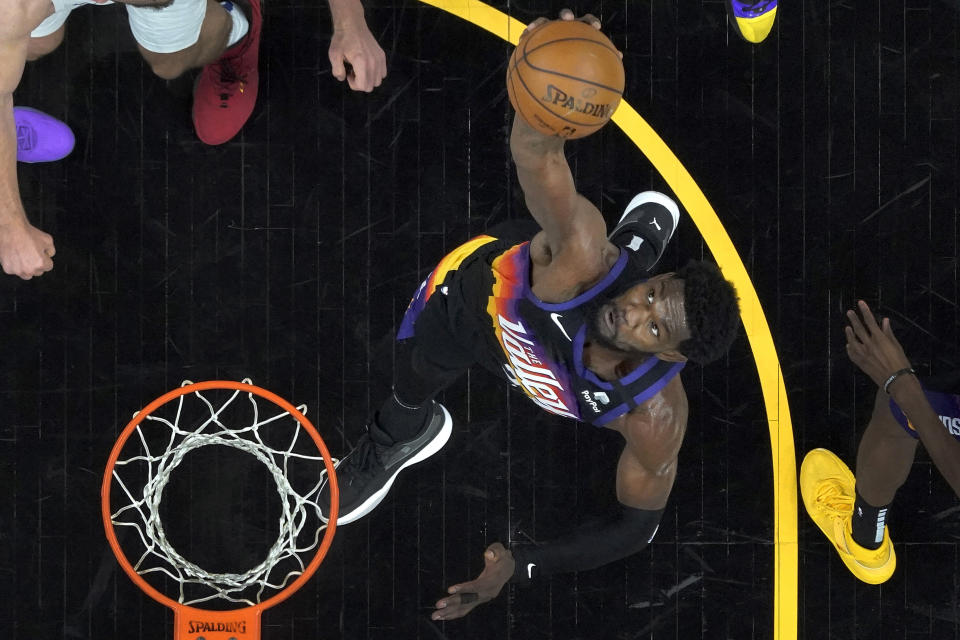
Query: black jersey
(535,345)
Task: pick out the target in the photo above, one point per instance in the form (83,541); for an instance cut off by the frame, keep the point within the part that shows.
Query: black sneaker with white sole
(646,226)
(365,475)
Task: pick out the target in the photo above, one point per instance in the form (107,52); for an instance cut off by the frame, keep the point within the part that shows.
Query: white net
(159,453)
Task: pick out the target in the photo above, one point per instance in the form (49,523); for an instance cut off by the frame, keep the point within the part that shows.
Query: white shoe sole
(435,445)
(662,199)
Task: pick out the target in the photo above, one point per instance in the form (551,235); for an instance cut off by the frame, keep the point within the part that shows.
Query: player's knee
(39,47)
(166,65)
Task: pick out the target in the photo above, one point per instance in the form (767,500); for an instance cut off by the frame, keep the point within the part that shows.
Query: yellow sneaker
(752,19)
(827,487)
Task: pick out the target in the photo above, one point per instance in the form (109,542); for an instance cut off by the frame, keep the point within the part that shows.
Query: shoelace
(367,458)
(229,77)
(832,499)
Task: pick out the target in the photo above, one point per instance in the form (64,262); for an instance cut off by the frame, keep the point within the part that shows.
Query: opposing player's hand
(873,347)
(498,568)
(565,14)
(25,251)
(355,46)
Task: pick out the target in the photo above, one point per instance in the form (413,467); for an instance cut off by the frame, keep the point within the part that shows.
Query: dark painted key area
(830,152)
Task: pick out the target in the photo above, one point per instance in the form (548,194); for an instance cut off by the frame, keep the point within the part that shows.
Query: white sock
(240,24)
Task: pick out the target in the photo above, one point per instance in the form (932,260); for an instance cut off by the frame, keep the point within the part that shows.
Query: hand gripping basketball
(565,78)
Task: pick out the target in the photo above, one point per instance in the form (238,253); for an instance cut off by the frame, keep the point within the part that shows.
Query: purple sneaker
(41,138)
(752,20)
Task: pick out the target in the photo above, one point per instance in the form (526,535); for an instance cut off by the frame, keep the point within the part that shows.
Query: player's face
(649,317)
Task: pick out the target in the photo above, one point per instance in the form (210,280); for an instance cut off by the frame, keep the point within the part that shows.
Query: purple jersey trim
(413,311)
(945,405)
(645,366)
(631,377)
(649,392)
(586,296)
(657,386)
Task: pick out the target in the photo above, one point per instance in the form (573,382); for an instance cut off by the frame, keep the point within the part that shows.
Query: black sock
(868,523)
(401,421)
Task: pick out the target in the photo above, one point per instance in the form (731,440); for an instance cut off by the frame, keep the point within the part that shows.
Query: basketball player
(572,318)
(851,511)
(173,36)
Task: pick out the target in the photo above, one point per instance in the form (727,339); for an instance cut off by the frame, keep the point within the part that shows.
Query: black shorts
(442,333)
(431,359)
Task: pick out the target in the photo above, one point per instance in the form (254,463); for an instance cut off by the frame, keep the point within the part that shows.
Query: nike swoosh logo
(556,320)
(530,571)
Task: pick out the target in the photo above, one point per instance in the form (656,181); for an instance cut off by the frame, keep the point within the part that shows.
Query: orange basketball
(565,78)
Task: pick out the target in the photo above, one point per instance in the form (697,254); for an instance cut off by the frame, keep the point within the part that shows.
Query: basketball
(565,79)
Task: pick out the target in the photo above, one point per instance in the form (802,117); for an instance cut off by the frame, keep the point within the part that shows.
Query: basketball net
(137,503)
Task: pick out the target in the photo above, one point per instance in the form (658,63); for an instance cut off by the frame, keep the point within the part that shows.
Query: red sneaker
(226,90)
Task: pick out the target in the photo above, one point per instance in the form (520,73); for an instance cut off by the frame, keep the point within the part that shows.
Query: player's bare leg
(214,34)
(39,47)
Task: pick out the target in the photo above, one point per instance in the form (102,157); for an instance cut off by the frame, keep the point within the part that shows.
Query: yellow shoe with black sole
(828,489)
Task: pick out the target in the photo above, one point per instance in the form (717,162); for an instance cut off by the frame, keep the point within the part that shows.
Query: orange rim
(204,386)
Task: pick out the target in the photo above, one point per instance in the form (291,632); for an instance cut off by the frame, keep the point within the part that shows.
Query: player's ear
(671,355)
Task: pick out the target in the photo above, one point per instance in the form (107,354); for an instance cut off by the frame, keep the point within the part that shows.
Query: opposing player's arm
(14,38)
(874,348)
(353,44)
(574,228)
(944,450)
(24,250)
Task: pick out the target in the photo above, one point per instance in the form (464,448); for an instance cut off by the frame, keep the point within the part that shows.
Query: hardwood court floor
(830,153)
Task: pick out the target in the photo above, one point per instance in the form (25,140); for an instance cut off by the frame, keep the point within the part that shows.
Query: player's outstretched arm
(571,223)
(575,230)
(25,251)
(878,353)
(353,44)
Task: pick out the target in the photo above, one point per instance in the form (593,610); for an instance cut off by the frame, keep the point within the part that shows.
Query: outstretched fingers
(457,605)
(868,320)
(856,326)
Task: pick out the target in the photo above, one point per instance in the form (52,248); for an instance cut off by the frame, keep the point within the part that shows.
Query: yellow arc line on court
(754,322)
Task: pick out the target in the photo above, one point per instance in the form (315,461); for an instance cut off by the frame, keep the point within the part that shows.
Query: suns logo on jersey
(536,380)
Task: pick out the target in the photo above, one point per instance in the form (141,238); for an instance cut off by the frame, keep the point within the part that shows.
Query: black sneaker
(647,225)
(365,475)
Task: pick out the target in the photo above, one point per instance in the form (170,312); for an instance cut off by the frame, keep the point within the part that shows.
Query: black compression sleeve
(593,544)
